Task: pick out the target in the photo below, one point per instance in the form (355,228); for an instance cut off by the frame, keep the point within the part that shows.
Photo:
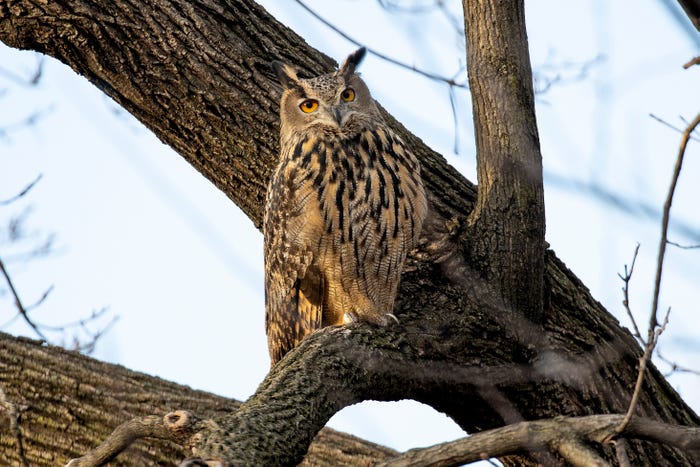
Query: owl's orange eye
(348,95)
(309,105)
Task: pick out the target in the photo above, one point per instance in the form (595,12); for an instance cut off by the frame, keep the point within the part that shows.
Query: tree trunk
(197,74)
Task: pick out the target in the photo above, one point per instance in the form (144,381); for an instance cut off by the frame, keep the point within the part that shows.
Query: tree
(487,313)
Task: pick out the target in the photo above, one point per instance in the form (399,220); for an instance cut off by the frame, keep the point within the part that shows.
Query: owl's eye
(309,105)
(348,95)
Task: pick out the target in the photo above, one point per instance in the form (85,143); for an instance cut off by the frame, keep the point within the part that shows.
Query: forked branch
(655,329)
(570,437)
(176,426)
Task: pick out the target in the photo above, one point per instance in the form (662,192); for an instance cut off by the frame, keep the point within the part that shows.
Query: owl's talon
(349,318)
(393,316)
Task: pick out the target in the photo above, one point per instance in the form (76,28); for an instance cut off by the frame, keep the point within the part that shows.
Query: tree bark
(506,227)
(197,74)
(67,403)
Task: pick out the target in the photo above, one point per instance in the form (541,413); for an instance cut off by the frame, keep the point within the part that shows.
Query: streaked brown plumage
(344,207)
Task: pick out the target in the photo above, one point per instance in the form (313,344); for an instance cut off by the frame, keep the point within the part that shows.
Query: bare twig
(13,415)
(18,303)
(23,311)
(675,128)
(24,191)
(683,247)
(652,339)
(625,290)
(543,82)
(453,105)
(619,201)
(384,57)
(31,80)
(29,120)
(675,367)
(176,426)
(413,9)
(691,62)
(655,329)
(653,322)
(89,346)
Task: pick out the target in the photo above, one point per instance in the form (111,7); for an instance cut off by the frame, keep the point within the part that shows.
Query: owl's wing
(293,282)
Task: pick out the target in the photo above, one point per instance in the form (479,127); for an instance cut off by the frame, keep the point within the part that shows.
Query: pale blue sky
(140,231)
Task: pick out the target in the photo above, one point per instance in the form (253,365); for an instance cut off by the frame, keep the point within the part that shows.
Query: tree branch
(653,322)
(506,236)
(450,81)
(655,329)
(18,303)
(561,434)
(691,62)
(70,403)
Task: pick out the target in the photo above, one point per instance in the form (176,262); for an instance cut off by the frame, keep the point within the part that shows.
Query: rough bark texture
(67,403)
(506,228)
(197,74)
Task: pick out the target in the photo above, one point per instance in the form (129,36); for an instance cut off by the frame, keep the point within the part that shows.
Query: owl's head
(337,102)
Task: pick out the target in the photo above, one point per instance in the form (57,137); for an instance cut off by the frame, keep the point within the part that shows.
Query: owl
(344,206)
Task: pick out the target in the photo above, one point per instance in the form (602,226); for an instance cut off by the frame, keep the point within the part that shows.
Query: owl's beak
(338,115)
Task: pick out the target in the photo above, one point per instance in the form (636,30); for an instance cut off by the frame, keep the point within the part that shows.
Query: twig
(624,204)
(11,410)
(29,81)
(653,338)
(427,74)
(89,347)
(691,62)
(176,426)
(665,123)
(543,83)
(625,290)
(81,322)
(413,9)
(654,329)
(683,247)
(675,367)
(23,311)
(18,303)
(24,191)
(653,322)
(453,105)
(29,120)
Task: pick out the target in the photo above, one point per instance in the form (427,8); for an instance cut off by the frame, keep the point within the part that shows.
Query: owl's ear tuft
(286,74)
(353,60)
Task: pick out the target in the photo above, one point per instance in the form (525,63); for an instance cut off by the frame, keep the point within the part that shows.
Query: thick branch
(506,235)
(69,403)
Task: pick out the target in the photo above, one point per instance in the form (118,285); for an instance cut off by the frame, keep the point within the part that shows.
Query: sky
(137,231)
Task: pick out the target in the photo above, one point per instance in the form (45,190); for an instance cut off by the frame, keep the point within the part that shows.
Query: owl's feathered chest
(352,186)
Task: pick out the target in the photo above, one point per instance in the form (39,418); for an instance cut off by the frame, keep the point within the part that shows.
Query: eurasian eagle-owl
(344,206)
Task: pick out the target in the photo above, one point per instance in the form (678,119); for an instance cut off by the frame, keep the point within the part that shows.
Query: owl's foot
(199,462)
(349,318)
(392,316)
(384,319)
